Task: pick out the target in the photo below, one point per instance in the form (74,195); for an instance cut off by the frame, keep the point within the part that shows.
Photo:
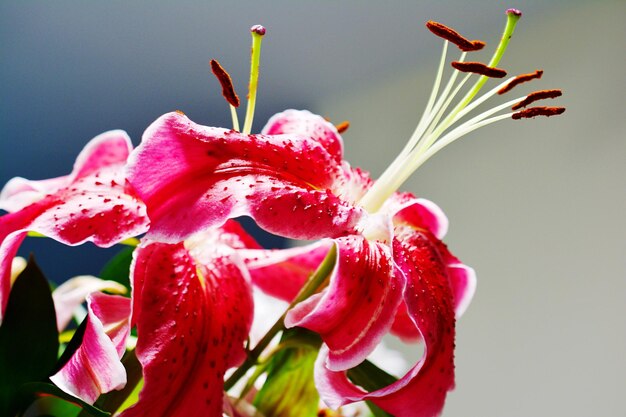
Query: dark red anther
(537,95)
(538,111)
(453,36)
(522,78)
(343,126)
(228,91)
(479,68)
(258,29)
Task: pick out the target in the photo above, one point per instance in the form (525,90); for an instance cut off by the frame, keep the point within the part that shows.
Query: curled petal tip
(258,29)
(515,12)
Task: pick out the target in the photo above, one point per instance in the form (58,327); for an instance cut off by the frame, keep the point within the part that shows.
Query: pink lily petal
(105,150)
(404,327)
(234,236)
(94,205)
(357,308)
(428,296)
(192,320)
(463,283)
(213,174)
(95,368)
(304,123)
(20,192)
(73,292)
(418,212)
(281,273)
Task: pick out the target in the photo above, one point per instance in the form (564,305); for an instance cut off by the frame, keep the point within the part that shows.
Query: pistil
(257,32)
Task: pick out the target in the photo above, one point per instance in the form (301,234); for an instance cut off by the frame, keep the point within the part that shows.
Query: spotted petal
(304,123)
(429,300)
(95,204)
(357,308)
(106,150)
(192,177)
(95,368)
(421,214)
(281,273)
(193,310)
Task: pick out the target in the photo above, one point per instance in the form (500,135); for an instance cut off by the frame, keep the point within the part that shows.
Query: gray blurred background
(536,207)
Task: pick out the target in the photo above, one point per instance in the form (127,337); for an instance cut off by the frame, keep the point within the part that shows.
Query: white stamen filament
(458,113)
(426,142)
(233,115)
(425,120)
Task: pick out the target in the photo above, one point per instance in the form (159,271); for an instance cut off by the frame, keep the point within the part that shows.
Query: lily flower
(377,260)
(93,203)
(392,272)
(192,306)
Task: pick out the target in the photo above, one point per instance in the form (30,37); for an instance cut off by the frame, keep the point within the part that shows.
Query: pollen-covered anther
(537,95)
(228,91)
(479,68)
(538,111)
(455,37)
(343,126)
(522,78)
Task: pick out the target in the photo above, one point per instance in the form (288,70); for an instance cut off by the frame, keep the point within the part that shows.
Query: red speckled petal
(419,213)
(96,206)
(191,328)
(233,235)
(105,150)
(95,368)
(282,272)
(428,296)
(192,177)
(20,192)
(462,281)
(357,308)
(108,149)
(304,123)
(404,327)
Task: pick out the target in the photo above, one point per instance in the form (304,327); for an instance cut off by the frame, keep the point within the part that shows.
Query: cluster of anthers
(434,132)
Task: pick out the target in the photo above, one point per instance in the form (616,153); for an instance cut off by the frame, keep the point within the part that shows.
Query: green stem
(312,285)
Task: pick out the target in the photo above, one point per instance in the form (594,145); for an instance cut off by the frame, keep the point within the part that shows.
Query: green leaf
(371,378)
(33,390)
(289,389)
(118,268)
(29,340)
(49,406)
